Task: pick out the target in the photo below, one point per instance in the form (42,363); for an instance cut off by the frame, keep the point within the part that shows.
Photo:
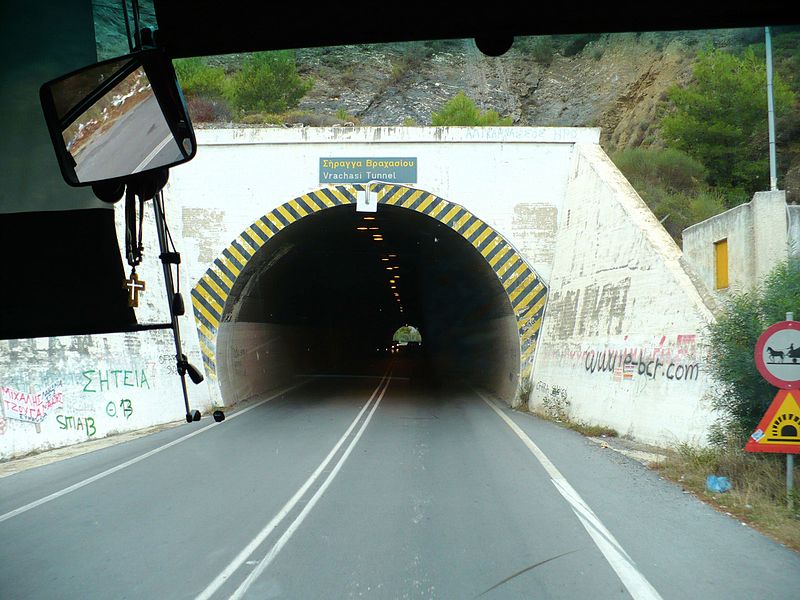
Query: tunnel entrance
(315,287)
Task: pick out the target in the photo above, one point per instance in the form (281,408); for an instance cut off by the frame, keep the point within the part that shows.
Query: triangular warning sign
(779,429)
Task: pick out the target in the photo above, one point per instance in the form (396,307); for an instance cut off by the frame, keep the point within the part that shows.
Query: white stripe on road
(133,461)
(636,584)
(250,548)
(152,154)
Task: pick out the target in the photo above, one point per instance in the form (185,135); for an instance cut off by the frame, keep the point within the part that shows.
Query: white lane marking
(152,154)
(636,584)
(133,461)
(265,562)
(248,550)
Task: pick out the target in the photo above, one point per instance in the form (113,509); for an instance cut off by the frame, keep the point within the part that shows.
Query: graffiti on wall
(28,406)
(71,422)
(124,409)
(33,407)
(675,359)
(101,380)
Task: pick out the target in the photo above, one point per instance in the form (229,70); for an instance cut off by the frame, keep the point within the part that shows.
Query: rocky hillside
(613,81)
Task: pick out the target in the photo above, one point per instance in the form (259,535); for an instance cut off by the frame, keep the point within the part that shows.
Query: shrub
(671,169)
(268,82)
(460,110)
(542,51)
(198,79)
(203,110)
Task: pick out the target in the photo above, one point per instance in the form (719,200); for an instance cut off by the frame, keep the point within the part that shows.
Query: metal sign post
(789,456)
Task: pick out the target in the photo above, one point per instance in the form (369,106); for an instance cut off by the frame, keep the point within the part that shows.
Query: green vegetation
(197,78)
(716,137)
(267,83)
(758,495)
(406,334)
(720,119)
(742,395)
(461,111)
(672,184)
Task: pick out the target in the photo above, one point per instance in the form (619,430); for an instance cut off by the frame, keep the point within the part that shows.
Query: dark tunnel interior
(326,294)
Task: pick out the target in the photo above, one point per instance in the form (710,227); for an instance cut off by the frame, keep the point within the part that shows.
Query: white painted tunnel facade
(621,339)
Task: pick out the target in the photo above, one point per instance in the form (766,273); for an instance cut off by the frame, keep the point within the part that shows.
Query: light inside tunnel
(316,299)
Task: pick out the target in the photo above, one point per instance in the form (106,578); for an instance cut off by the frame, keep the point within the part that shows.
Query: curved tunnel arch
(525,291)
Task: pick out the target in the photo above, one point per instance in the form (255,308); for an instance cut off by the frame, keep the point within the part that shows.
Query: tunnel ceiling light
(369,218)
(361,228)
(384,259)
(394,287)
(374,228)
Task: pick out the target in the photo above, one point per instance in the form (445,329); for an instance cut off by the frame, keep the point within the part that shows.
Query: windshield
(456,326)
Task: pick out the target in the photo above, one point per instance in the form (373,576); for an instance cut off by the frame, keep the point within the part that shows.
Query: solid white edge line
(273,552)
(153,153)
(133,461)
(251,547)
(633,580)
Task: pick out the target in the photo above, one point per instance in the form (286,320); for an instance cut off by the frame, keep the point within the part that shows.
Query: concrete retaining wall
(622,340)
(758,236)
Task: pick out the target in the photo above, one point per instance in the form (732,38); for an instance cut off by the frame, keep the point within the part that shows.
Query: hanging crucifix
(134,285)
(133,246)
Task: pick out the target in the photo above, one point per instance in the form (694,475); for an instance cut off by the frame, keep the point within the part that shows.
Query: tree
(460,110)
(743,395)
(720,119)
(268,82)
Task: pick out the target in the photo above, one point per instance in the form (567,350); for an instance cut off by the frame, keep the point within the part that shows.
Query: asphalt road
(138,140)
(372,488)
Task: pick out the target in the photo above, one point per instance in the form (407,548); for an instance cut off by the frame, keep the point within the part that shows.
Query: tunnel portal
(314,287)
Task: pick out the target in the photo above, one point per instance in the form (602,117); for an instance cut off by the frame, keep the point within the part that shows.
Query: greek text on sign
(362,170)
(777,355)
(779,429)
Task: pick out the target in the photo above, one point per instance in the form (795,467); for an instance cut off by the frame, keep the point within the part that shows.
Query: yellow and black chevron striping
(525,290)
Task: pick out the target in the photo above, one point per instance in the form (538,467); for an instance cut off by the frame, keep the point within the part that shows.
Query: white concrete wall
(758,235)
(621,341)
(514,178)
(64,390)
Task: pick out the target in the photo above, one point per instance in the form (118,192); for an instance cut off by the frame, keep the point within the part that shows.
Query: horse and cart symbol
(790,354)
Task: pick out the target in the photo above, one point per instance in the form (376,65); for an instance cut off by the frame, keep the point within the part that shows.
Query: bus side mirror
(117,118)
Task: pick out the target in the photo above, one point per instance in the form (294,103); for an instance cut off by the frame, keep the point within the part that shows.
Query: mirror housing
(117,118)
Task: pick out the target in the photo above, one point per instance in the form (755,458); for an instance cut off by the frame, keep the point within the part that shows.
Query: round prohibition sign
(777,355)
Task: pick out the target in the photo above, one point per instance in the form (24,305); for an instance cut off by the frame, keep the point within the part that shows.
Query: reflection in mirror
(124,132)
(68,92)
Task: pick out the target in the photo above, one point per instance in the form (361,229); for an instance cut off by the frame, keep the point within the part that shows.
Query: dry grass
(758,495)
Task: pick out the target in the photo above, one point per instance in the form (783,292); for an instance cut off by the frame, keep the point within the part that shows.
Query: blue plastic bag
(717,484)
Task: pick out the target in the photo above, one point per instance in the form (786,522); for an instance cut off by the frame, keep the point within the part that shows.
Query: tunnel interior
(327,293)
